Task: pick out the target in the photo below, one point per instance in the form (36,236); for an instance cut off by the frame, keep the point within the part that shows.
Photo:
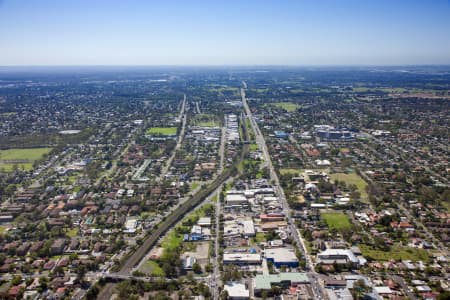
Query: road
(183,118)
(259,138)
(405,288)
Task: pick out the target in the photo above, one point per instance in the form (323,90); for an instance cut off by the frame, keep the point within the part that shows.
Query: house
(58,247)
(383,291)
(188,263)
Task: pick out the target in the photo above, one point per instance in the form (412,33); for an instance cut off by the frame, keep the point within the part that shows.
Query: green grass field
(396,253)
(446,205)
(72,232)
(194,185)
(28,156)
(162,131)
(172,240)
(336,220)
(2,229)
(152,268)
(254,147)
(295,172)
(260,237)
(352,178)
(287,106)
(214,198)
(205,120)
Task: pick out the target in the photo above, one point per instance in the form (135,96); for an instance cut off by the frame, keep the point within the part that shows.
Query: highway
(259,138)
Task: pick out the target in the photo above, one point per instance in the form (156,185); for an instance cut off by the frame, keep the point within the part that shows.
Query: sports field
(336,220)
(23,158)
(162,131)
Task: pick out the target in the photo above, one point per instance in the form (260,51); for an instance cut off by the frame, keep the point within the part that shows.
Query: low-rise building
(282,257)
(283,280)
(242,258)
(237,291)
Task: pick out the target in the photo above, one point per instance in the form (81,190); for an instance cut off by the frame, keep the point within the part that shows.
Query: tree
(17,279)
(444,296)
(197,268)
(359,289)
(224,295)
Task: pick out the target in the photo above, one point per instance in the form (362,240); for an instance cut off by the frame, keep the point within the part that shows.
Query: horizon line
(226,65)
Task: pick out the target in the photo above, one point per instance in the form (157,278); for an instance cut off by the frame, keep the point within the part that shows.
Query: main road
(259,138)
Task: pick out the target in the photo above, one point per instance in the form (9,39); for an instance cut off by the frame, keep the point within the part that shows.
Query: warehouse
(235,200)
(282,257)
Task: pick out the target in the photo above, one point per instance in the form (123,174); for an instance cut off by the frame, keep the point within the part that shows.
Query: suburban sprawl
(225,183)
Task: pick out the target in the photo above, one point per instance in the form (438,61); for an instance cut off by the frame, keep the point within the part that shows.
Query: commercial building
(242,258)
(235,200)
(283,280)
(340,256)
(204,222)
(282,257)
(237,291)
(249,228)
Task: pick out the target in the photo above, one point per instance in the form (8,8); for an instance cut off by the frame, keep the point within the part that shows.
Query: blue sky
(229,32)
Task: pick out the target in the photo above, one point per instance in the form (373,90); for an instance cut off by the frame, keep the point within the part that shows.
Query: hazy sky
(192,32)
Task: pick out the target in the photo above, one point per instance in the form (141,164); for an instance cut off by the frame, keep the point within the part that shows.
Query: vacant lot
(396,253)
(352,178)
(172,240)
(206,120)
(295,172)
(336,220)
(152,268)
(23,158)
(254,147)
(162,131)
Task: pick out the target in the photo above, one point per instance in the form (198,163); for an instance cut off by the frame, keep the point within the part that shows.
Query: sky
(228,32)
